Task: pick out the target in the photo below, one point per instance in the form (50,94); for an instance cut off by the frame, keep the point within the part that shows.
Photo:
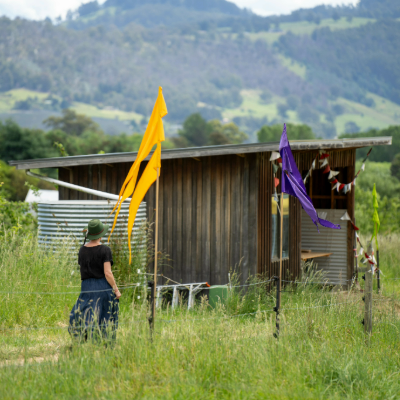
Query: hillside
(153,13)
(336,74)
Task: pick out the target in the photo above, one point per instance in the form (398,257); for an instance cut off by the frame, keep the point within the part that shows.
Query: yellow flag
(154,135)
(146,180)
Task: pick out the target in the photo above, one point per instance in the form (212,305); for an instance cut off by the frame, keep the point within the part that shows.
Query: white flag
(274,156)
(345,217)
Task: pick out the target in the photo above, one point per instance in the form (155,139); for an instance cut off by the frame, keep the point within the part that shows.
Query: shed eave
(197,152)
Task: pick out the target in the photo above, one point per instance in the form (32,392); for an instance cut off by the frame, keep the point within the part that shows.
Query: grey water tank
(66,219)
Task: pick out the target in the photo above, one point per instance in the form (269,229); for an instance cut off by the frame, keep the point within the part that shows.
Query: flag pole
(153,311)
(281,250)
(279,279)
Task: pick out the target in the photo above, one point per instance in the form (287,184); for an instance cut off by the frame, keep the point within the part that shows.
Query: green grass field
(8,100)
(307,28)
(223,353)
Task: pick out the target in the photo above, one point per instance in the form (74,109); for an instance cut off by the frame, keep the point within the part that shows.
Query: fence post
(152,299)
(278,305)
(355,247)
(368,302)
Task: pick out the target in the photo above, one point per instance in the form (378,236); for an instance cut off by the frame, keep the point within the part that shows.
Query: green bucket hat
(96,229)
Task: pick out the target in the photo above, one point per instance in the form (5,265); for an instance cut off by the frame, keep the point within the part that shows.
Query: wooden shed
(215,205)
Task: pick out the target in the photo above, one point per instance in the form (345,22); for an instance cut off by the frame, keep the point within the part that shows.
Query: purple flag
(293,184)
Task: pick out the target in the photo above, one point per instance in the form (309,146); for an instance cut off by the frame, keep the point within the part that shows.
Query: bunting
(323,159)
(368,255)
(346,217)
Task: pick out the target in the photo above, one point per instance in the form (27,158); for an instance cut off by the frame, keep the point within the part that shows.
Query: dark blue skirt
(95,313)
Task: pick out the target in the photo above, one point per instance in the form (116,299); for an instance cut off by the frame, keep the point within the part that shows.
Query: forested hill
(367,57)
(376,9)
(336,74)
(152,13)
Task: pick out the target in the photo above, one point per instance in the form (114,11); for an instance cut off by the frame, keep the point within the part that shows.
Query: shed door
(327,241)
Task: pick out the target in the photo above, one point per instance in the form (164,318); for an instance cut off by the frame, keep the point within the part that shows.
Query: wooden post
(368,302)
(153,311)
(355,247)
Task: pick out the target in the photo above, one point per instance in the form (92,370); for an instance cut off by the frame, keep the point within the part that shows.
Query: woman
(97,305)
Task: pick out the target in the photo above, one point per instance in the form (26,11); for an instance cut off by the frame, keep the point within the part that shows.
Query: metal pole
(281,250)
(98,193)
(278,304)
(279,278)
(153,313)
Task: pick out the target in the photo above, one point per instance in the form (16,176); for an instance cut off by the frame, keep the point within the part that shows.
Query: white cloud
(271,7)
(40,9)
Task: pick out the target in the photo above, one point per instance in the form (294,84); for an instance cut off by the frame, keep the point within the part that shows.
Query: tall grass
(219,353)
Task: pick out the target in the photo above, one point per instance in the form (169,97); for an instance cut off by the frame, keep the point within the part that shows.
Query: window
(275,228)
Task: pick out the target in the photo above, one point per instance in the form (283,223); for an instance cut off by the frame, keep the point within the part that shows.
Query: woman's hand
(117,294)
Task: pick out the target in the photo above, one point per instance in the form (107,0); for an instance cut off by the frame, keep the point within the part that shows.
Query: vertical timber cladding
(104,177)
(207,218)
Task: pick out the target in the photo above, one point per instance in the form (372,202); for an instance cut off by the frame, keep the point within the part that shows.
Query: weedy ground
(223,353)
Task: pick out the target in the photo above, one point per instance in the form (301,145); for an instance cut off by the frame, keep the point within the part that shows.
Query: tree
(198,132)
(195,130)
(18,143)
(395,167)
(295,132)
(72,123)
(230,131)
(351,127)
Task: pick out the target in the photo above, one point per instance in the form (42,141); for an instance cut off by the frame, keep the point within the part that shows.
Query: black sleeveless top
(91,261)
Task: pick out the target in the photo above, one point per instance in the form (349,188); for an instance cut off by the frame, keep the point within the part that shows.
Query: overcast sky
(39,9)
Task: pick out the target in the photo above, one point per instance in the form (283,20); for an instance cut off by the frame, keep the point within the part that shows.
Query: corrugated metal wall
(328,241)
(67,219)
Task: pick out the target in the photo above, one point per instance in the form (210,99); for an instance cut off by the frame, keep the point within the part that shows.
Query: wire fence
(221,317)
(231,286)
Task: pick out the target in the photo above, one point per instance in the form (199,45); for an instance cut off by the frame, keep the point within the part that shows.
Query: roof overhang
(197,152)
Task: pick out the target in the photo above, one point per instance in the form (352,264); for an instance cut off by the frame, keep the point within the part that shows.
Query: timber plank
(196,166)
(187,167)
(205,221)
(213,227)
(90,181)
(95,180)
(199,228)
(73,176)
(220,275)
(244,231)
(179,217)
(235,217)
(252,214)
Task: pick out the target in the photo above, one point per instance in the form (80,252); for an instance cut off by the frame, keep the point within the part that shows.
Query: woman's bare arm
(110,278)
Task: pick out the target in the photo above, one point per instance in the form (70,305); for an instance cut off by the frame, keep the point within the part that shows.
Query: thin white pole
(76,187)
(153,313)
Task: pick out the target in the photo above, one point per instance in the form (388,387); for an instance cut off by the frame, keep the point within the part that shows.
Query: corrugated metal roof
(297,145)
